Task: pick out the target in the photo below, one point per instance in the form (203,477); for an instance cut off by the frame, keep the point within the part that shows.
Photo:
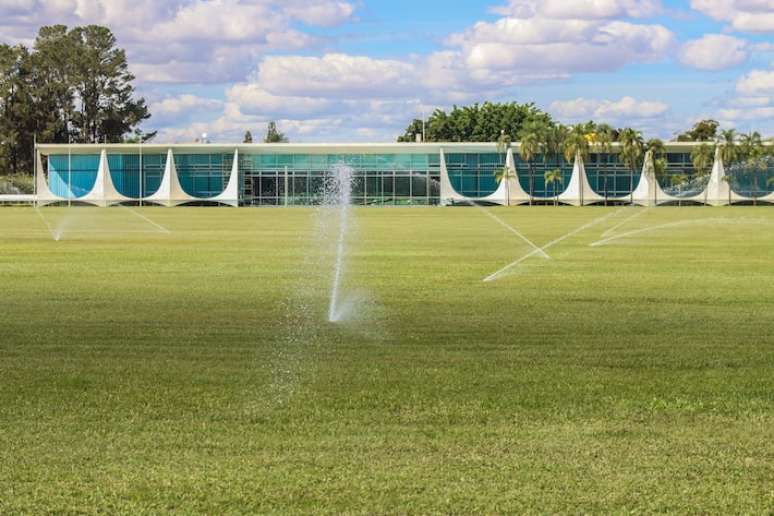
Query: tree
(575,144)
(74,85)
(410,136)
(476,123)
(632,150)
(15,107)
(554,177)
(752,152)
(703,131)
(726,142)
(678,180)
(532,140)
(601,142)
(505,173)
(248,137)
(273,135)
(105,105)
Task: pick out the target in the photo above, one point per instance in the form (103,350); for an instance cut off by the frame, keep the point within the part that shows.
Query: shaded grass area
(146,372)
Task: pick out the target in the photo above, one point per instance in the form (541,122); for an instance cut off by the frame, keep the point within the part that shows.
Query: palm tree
(576,143)
(553,177)
(657,151)
(529,148)
(752,151)
(702,157)
(729,152)
(504,172)
(726,142)
(678,180)
(601,142)
(632,151)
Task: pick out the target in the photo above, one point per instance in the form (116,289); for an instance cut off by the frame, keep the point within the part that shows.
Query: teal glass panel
(72,177)
(203,175)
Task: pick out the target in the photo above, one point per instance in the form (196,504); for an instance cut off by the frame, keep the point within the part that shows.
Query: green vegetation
(74,85)
(16,184)
(273,135)
(146,372)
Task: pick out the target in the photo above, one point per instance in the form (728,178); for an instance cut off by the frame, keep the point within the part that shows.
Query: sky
(361,70)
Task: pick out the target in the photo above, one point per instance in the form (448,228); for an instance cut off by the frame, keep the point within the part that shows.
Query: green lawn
(193,370)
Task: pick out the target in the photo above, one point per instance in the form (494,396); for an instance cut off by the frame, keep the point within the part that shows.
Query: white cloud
(757,82)
(714,52)
(753,106)
(184,40)
(321,13)
(252,99)
(337,76)
(581,9)
(183,104)
(741,15)
(626,108)
(537,44)
(765,113)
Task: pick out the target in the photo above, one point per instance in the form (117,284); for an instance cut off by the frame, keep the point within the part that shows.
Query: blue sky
(341,70)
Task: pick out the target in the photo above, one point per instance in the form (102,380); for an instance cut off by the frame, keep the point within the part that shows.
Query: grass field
(157,360)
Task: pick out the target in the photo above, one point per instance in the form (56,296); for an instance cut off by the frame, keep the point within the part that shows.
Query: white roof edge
(296,147)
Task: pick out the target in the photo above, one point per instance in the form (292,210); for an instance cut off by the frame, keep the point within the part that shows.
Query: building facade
(383,175)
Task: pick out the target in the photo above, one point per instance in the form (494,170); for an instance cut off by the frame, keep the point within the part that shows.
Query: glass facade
(379,179)
(752,180)
(680,178)
(609,176)
(532,175)
(125,173)
(72,176)
(473,174)
(203,175)
(410,176)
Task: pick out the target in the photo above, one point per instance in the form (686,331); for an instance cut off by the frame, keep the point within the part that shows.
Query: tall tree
(273,135)
(74,85)
(632,153)
(248,137)
(106,108)
(554,178)
(752,153)
(532,138)
(15,110)
(729,153)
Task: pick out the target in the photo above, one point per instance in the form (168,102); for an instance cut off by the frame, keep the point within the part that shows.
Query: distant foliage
(273,135)
(704,131)
(476,123)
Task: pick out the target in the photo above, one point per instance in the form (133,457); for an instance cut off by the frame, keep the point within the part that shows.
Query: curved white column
(719,191)
(230,194)
(170,193)
(44,194)
(578,191)
(449,194)
(517,194)
(648,191)
(104,192)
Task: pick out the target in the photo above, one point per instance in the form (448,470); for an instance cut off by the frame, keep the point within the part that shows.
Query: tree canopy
(477,123)
(703,131)
(73,85)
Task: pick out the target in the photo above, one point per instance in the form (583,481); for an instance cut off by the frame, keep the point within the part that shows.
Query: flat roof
(297,148)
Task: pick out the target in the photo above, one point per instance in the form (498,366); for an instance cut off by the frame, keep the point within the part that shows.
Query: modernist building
(384,174)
